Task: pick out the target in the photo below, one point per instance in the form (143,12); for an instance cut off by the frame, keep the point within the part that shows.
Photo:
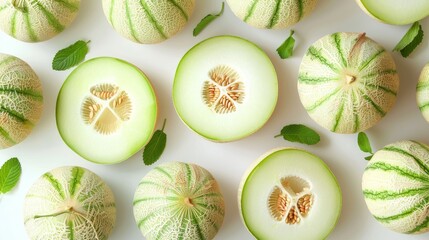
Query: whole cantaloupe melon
(36,20)
(178,201)
(69,203)
(347,82)
(423,92)
(395,187)
(148,21)
(272,14)
(21,100)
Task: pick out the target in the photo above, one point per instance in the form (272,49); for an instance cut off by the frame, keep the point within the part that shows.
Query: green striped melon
(148,21)
(271,14)
(423,92)
(398,12)
(36,20)
(178,201)
(21,100)
(347,82)
(395,185)
(69,203)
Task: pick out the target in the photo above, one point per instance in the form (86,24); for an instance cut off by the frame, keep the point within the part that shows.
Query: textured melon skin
(347,82)
(271,14)
(160,207)
(423,92)
(395,185)
(81,206)
(21,100)
(43,19)
(148,21)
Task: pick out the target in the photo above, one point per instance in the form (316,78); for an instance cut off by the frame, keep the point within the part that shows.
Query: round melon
(36,20)
(289,194)
(225,88)
(178,201)
(69,203)
(106,110)
(347,82)
(148,21)
(397,12)
(21,100)
(272,14)
(423,92)
(395,186)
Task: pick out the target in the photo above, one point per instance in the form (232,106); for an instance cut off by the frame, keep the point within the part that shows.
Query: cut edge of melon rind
(266,155)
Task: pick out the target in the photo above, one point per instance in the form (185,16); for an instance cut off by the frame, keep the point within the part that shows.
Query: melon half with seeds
(69,203)
(271,14)
(106,110)
(36,20)
(225,88)
(347,82)
(395,185)
(423,92)
(398,12)
(289,194)
(21,100)
(148,21)
(178,201)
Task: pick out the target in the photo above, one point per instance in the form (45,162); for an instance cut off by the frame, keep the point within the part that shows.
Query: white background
(44,150)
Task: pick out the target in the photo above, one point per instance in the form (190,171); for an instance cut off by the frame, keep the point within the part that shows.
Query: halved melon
(106,110)
(398,12)
(289,194)
(225,88)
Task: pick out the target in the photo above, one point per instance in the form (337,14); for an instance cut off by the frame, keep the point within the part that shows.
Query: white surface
(44,149)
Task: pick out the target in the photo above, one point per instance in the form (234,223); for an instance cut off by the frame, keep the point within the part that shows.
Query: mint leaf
(286,49)
(363,143)
(9,175)
(299,133)
(207,20)
(410,40)
(70,56)
(154,149)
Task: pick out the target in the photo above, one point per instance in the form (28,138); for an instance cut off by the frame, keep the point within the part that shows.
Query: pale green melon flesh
(395,185)
(69,203)
(347,82)
(115,133)
(272,14)
(178,201)
(148,21)
(256,81)
(35,21)
(266,173)
(21,100)
(399,12)
(423,92)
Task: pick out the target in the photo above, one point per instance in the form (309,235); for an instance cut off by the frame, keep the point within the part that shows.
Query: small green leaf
(369,157)
(70,56)
(207,20)
(286,49)
(299,133)
(9,175)
(154,149)
(410,40)
(363,143)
